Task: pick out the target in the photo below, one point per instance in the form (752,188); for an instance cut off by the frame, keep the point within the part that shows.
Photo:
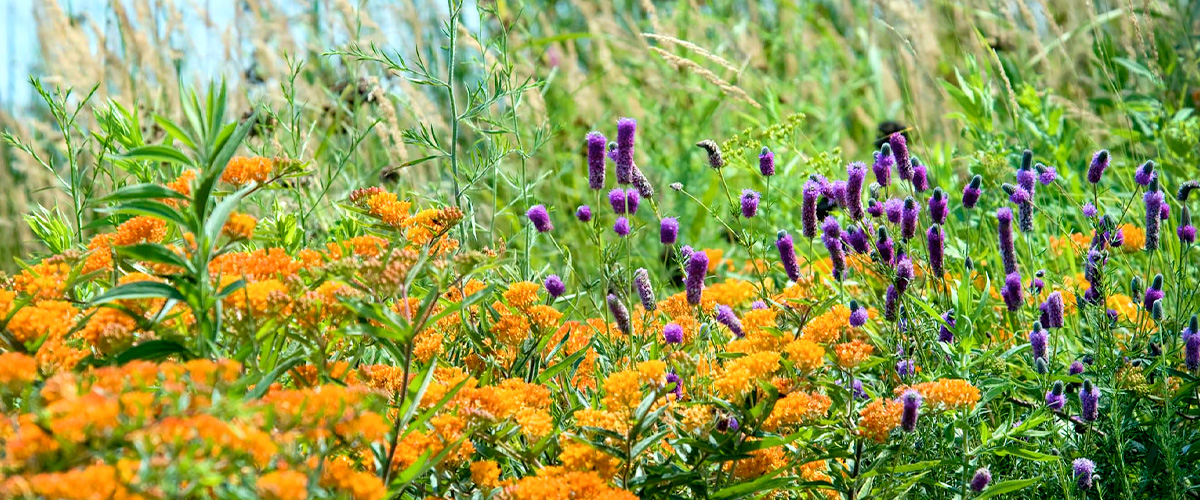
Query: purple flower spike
(621,227)
(750,200)
(1012,293)
(920,176)
(857,240)
(1099,164)
(836,191)
(596,160)
(1083,469)
(1027,180)
(945,335)
(1017,194)
(1145,174)
(673,333)
(831,236)
(583,213)
(1054,310)
(668,230)
(641,284)
(856,175)
(626,131)
(726,317)
(858,314)
(1154,202)
(883,165)
(766,162)
(787,255)
(905,368)
(616,198)
(1089,399)
(632,199)
(694,283)
(1076,368)
(899,146)
(1037,341)
(1186,231)
(1154,293)
(620,313)
(1046,174)
(540,218)
(937,206)
(1165,212)
(808,209)
(883,244)
(908,218)
(554,286)
(1191,352)
(972,191)
(1089,210)
(980,481)
(912,406)
(891,304)
(1055,400)
(875,209)
(895,209)
(937,243)
(1007,251)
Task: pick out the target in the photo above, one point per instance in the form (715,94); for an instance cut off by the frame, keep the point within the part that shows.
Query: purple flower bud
(895,210)
(596,160)
(694,282)
(1083,470)
(905,368)
(626,130)
(856,175)
(1186,189)
(937,207)
(883,165)
(642,184)
(714,153)
(1055,400)
(1154,293)
(616,198)
(858,314)
(1037,341)
(875,209)
(758,304)
(632,199)
(891,304)
(936,242)
(1191,352)
(836,191)
(1017,194)
(1046,175)
(726,317)
(831,237)
(856,238)
(620,314)
(920,176)
(1187,234)
(673,333)
(1007,251)
(1154,203)
(944,334)
(750,200)
(908,219)
(883,244)
(808,209)
(972,191)
(904,273)
(1027,180)
(787,255)
(641,283)
(621,227)
(766,162)
(668,230)
(1076,368)
(583,213)
(1145,174)
(540,218)
(1099,164)
(1012,293)
(912,406)
(675,383)
(980,482)
(1054,310)
(1089,210)
(899,146)
(1089,398)
(554,286)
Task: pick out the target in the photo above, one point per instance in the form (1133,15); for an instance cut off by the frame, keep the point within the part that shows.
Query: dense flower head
(243,170)
(1097,167)
(787,255)
(583,213)
(749,202)
(596,158)
(899,146)
(884,161)
(766,162)
(621,227)
(972,191)
(1083,470)
(626,135)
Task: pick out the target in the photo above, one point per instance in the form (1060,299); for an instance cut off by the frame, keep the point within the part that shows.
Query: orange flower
(743,374)
(829,326)
(878,418)
(946,394)
(283,485)
(240,226)
(243,170)
(486,474)
(805,354)
(45,281)
(16,371)
(388,208)
(140,229)
(851,354)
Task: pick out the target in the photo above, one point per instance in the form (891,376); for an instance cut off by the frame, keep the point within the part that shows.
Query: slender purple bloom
(856,175)
(891,303)
(908,220)
(626,130)
(972,191)
(1089,210)
(1154,201)
(1037,341)
(904,273)
(1083,469)
(758,304)
(787,255)
(1154,293)
(1012,293)
(875,209)
(554,286)
(883,244)
(912,406)
(1089,399)
(715,160)
(944,334)
(905,368)
(937,244)
(857,240)
(1186,231)
(1191,352)
(1145,174)
(540,218)
(668,230)
(726,317)
(1055,399)
(980,481)
(642,184)
(596,160)
(831,235)
(1076,368)
(1046,174)
(836,191)
(808,209)
(766,162)
(1096,168)
(641,283)
(583,213)
(883,165)
(937,206)
(858,314)
(899,146)
(1016,194)
(895,209)
(750,200)
(1054,310)
(1164,213)
(621,227)
(920,176)
(620,314)
(673,333)
(616,198)
(1027,180)
(632,199)
(694,283)
(1007,250)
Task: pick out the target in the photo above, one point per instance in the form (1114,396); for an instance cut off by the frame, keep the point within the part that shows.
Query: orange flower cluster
(242,170)
(878,418)
(742,375)
(797,408)
(946,394)
(853,353)
(240,226)
(553,483)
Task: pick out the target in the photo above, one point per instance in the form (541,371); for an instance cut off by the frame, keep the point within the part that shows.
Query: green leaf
(158,154)
(174,131)
(217,165)
(264,384)
(152,208)
(1026,454)
(570,362)
(138,290)
(216,220)
(154,252)
(154,350)
(145,191)
(1006,487)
